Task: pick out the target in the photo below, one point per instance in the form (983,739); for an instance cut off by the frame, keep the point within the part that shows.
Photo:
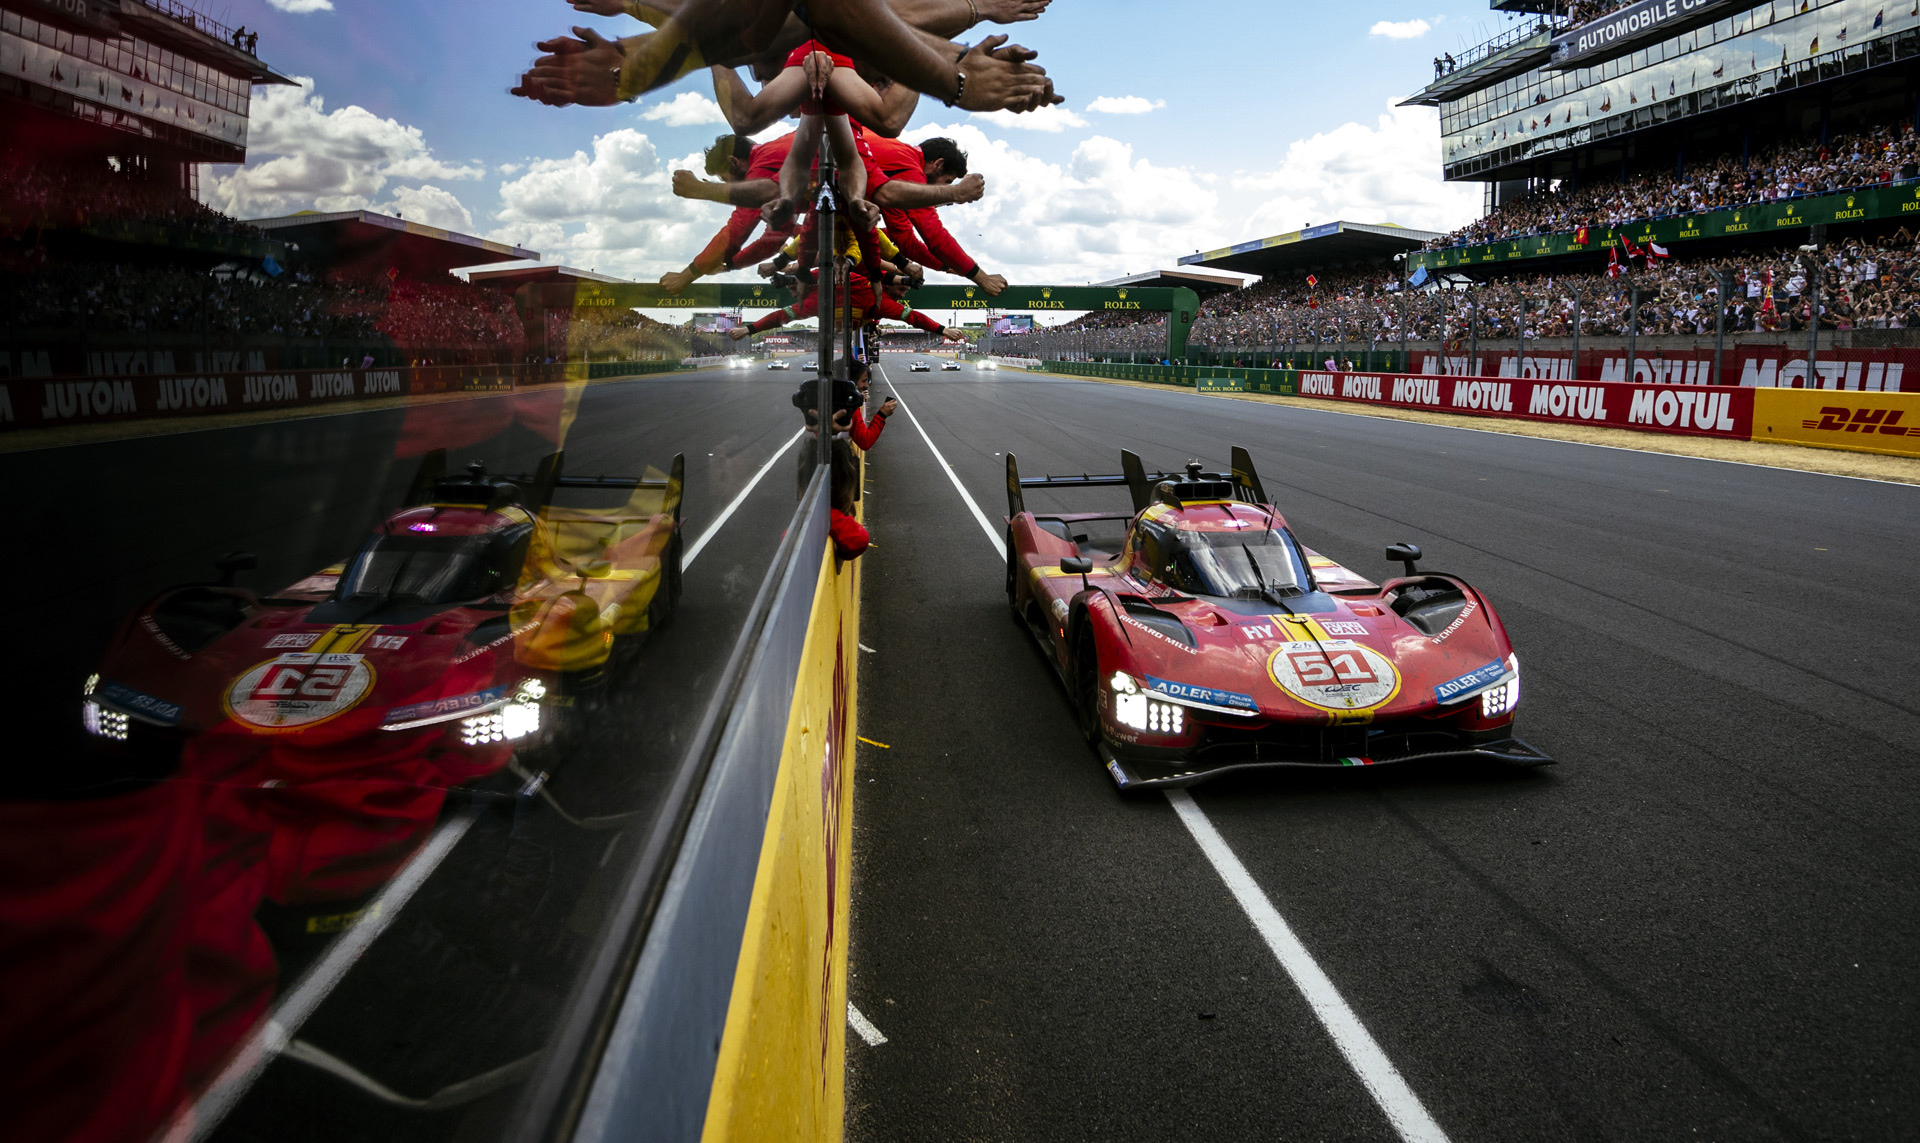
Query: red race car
(466,617)
(1208,640)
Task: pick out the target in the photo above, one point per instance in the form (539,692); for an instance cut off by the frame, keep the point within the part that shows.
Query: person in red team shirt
(918,231)
(736,160)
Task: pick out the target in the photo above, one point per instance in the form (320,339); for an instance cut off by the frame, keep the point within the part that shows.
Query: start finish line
(1180,304)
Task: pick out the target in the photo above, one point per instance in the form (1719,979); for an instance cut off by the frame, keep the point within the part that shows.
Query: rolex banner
(1896,200)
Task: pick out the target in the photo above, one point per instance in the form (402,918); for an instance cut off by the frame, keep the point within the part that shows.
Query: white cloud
(1386,173)
(1099,214)
(431,205)
(612,210)
(1400,29)
(687,109)
(510,168)
(302,7)
(303,157)
(1125,105)
(1052,119)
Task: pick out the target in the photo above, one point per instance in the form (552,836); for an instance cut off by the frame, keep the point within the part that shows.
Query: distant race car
(1209,640)
(465,621)
(919,367)
(813,366)
(777,364)
(950,367)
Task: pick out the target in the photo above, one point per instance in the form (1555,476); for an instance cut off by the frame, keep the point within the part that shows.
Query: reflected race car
(779,365)
(950,367)
(1211,641)
(919,367)
(461,625)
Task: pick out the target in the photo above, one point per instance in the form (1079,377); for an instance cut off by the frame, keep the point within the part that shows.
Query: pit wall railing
(1855,419)
(729,994)
(45,402)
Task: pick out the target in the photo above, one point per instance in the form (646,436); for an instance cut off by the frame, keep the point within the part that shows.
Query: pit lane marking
(1383,1081)
(726,513)
(1403,1109)
(864,1026)
(993,536)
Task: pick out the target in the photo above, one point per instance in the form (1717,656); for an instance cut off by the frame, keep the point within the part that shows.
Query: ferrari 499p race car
(1212,641)
(464,621)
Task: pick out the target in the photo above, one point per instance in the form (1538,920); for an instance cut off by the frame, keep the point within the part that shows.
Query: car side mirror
(1078,565)
(1405,554)
(232,564)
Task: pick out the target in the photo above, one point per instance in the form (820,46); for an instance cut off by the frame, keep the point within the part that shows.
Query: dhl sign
(1859,421)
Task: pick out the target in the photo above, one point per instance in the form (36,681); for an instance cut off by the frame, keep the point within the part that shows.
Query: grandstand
(1665,189)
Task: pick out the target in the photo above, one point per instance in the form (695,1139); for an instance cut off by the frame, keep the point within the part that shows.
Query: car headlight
(104,722)
(1132,707)
(1498,701)
(485,716)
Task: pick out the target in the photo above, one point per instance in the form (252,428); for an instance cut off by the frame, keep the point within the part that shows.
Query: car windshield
(429,569)
(1235,565)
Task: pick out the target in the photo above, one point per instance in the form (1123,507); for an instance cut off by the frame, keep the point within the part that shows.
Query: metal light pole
(1720,323)
(1522,371)
(1574,372)
(1473,336)
(1405,365)
(1810,258)
(1633,329)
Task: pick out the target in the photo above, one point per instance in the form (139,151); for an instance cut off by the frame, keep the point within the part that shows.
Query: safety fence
(34,402)
(1859,420)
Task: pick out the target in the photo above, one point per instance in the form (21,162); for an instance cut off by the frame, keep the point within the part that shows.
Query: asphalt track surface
(1703,923)
(470,975)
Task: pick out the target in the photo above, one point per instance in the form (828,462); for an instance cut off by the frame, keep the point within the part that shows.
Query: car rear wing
(539,486)
(1145,487)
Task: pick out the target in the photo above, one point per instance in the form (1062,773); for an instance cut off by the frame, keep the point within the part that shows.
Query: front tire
(1086,686)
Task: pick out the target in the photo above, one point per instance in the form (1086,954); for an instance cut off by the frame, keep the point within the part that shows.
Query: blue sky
(1264,117)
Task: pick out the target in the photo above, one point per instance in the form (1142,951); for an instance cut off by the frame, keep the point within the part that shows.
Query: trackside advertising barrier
(1203,378)
(1861,422)
(27,403)
(1696,410)
(1762,366)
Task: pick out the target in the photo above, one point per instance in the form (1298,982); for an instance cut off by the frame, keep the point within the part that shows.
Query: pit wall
(27,403)
(780,1075)
(1858,420)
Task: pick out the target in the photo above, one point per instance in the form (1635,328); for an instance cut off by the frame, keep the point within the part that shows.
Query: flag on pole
(1419,277)
(1632,250)
(1613,261)
(1658,251)
(1312,281)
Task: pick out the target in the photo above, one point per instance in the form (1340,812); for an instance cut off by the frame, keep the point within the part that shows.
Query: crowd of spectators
(1871,157)
(35,194)
(1865,284)
(105,297)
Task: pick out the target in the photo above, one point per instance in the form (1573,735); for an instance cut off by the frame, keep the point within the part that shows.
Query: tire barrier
(27,403)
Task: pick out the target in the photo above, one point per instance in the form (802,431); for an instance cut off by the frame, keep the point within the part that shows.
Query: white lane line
(993,533)
(1403,1108)
(726,513)
(864,1026)
(200,1119)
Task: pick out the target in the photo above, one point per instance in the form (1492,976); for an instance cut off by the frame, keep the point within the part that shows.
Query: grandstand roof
(512,277)
(356,241)
(1206,285)
(1329,244)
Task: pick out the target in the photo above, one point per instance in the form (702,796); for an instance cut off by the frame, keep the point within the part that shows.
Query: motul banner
(1696,410)
(44,402)
(1751,366)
